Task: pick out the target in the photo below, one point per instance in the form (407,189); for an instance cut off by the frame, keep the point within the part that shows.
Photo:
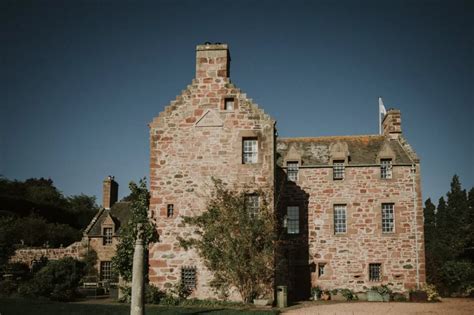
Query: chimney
(109,192)
(392,123)
(212,61)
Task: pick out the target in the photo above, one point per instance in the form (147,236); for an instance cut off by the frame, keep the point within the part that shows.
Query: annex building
(352,204)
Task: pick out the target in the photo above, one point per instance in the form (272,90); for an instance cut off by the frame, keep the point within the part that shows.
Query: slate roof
(120,213)
(363,150)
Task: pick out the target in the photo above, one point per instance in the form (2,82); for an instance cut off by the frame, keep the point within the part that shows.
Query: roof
(362,150)
(120,213)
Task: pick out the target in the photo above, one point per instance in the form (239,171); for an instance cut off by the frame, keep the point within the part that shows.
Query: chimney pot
(109,192)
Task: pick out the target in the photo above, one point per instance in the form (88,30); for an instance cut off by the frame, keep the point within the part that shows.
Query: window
(374,272)
(105,270)
(229,104)
(292,171)
(338,170)
(340,219)
(170,210)
(107,236)
(386,168)
(249,150)
(252,204)
(293,216)
(188,277)
(388,218)
(321,267)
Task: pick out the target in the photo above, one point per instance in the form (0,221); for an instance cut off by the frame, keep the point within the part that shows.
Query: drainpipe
(413,172)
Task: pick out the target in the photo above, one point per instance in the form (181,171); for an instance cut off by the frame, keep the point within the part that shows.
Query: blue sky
(80,80)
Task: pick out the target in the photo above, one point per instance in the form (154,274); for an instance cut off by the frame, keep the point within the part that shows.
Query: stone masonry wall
(347,256)
(28,255)
(195,139)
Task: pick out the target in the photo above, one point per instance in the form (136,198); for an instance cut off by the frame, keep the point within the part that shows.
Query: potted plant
(379,293)
(316,292)
(326,295)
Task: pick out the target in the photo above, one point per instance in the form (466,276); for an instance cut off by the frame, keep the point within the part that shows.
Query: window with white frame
(375,271)
(292,170)
(229,104)
(338,170)
(293,220)
(388,218)
(105,270)
(252,204)
(249,150)
(321,267)
(340,219)
(188,277)
(107,234)
(386,168)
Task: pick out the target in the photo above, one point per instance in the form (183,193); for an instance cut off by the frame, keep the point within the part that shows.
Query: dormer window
(338,170)
(386,168)
(292,171)
(107,234)
(229,104)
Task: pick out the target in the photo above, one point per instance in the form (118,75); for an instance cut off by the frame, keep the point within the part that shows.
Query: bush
(58,280)
(432,293)
(348,294)
(8,287)
(399,297)
(457,277)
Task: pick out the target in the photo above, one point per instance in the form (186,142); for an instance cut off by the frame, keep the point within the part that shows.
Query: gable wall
(183,158)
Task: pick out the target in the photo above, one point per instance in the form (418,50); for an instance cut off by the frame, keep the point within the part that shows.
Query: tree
(123,259)
(235,243)
(7,242)
(83,208)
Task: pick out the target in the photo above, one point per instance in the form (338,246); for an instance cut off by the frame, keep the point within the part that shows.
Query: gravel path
(446,307)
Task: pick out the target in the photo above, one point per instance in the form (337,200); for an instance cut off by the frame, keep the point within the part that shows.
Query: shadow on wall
(292,267)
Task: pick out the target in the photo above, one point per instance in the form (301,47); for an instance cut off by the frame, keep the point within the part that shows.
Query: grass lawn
(14,306)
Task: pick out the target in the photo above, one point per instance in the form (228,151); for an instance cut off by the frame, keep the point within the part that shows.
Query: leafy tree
(123,259)
(83,208)
(7,242)
(58,280)
(236,244)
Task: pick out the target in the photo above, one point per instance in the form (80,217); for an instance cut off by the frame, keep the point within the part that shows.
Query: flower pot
(374,296)
(261,302)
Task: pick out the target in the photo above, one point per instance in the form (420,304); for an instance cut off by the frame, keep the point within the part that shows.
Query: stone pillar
(138,306)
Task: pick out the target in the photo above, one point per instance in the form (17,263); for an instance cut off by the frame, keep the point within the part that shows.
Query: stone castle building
(352,204)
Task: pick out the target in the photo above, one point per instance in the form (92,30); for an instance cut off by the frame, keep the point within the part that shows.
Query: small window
(105,270)
(293,216)
(229,104)
(375,272)
(107,236)
(340,223)
(252,204)
(321,267)
(386,168)
(188,277)
(249,150)
(388,218)
(338,170)
(292,171)
(170,210)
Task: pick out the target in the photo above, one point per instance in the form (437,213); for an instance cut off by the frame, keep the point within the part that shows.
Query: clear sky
(80,80)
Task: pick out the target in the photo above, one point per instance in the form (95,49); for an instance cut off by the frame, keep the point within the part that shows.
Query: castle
(352,204)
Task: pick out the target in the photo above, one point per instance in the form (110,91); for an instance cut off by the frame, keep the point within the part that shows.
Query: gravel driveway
(446,307)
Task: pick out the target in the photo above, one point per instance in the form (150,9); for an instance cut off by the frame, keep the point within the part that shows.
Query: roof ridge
(327,137)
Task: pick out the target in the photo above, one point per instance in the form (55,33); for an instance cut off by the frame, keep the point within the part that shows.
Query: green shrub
(457,277)
(58,280)
(348,294)
(8,287)
(432,293)
(399,297)
(316,291)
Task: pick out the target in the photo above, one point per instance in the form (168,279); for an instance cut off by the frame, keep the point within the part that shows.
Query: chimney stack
(109,192)
(392,123)
(212,61)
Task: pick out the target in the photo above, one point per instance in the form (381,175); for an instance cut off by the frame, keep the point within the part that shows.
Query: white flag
(382,113)
(382,109)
